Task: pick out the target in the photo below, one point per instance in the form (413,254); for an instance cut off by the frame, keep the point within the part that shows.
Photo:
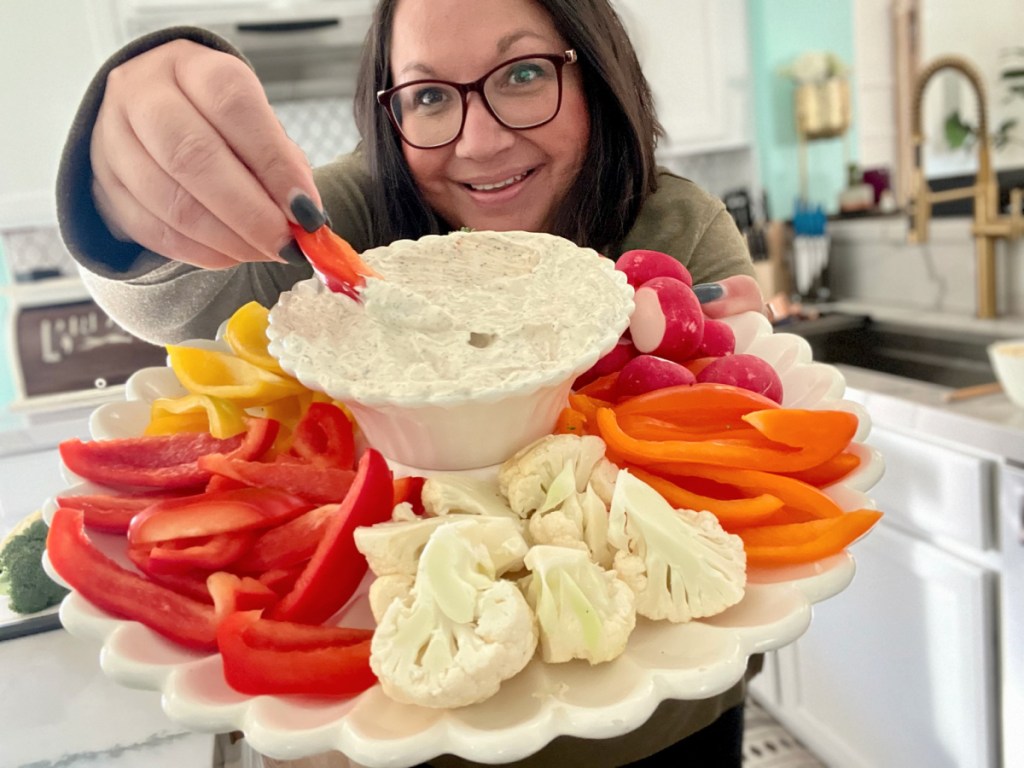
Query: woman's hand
(731,296)
(190,161)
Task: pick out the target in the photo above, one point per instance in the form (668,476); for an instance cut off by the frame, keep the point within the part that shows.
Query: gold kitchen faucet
(988,225)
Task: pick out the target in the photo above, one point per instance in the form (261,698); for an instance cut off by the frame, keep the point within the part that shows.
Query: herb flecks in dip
(455,314)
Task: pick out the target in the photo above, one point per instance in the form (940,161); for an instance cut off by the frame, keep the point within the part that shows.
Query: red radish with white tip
(620,354)
(745,371)
(639,266)
(667,319)
(718,340)
(646,373)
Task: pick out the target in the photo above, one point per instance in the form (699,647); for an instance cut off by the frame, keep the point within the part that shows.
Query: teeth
(499,185)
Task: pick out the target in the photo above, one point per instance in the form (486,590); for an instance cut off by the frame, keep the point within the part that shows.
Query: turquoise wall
(781,30)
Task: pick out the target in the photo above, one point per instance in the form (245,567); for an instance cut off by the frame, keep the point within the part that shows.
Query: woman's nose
(482,134)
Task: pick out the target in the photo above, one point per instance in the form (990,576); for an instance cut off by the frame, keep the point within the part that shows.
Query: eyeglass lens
(522,94)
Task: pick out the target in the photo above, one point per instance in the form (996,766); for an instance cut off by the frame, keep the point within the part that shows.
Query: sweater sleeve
(154,298)
(693,226)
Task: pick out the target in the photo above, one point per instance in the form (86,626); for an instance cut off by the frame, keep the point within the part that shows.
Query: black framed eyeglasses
(524,92)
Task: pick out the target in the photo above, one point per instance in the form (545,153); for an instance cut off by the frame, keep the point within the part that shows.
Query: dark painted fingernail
(708,292)
(292,254)
(307,214)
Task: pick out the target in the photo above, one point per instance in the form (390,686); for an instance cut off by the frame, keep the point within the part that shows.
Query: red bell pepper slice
(190,584)
(122,593)
(317,484)
(324,435)
(153,461)
(233,593)
(287,544)
(205,553)
(111,513)
(333,259)
(410,489)
(206,514)
(258,439)
(336,568)
(264,657)
(281,580)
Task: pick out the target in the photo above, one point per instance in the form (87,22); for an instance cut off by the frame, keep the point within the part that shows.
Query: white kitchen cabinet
(694,54)
(901,669)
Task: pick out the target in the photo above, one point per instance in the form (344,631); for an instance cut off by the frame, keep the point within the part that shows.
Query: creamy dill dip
(452,315)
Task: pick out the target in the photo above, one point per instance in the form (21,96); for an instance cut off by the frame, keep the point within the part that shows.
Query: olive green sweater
(165,301)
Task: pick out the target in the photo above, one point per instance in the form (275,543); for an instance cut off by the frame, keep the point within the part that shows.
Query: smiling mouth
(499,184)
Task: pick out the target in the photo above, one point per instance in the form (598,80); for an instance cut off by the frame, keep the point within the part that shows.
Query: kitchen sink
(943,356)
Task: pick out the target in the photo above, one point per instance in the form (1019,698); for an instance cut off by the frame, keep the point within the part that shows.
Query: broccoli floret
(22,577)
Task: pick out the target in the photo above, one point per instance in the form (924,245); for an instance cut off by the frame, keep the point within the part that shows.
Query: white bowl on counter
(1008,363)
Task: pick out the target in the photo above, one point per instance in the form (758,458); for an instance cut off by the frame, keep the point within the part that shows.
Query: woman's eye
(521,74)
(429,97)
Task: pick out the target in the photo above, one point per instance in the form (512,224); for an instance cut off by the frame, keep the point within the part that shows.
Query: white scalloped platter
(662,661)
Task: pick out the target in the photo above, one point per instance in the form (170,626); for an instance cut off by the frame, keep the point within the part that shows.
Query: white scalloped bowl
(456,427)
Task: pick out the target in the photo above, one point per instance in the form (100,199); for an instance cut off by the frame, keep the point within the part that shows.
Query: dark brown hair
(604,200)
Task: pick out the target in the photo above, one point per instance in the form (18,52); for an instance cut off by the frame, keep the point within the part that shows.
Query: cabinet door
(898,670)
(694,55)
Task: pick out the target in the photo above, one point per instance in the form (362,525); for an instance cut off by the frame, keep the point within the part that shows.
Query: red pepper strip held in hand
(337,567)
(334,259)
(718,453)
(264,657)
(122,593)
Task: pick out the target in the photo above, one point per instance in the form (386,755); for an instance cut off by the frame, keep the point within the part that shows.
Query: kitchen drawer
(934,488)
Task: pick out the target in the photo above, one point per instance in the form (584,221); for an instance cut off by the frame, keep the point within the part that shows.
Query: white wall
(49,50)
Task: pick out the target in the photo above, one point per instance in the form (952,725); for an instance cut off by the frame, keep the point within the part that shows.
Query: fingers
(190,161)
(731,296)
(132,181)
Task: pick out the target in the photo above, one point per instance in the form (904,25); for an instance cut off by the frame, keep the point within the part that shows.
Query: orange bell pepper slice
(570,422)
(652,428)
(601,387)
(802,427)
(794,493)
(778,545)
(723,453)
(829,472)
(731,513)
(699,403)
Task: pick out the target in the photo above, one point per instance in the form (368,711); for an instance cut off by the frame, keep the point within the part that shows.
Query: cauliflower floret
(571,519)
(385,589)
(681,564)
(446,495)
(395,547)
(552,483)
(583,611)
(458,633)
(526,477)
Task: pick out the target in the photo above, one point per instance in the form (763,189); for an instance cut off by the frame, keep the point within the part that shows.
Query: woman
(177,185)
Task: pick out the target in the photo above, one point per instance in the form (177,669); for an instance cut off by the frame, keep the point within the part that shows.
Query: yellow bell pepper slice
(246,334)
(221,418)
(222,374)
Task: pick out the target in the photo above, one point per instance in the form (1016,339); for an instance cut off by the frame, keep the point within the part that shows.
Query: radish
(620,354)
(718,340)
(745,371)
(667,320)
(640,266)
(645,373)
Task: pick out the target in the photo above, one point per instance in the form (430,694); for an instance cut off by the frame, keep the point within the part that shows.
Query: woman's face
(491,177)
